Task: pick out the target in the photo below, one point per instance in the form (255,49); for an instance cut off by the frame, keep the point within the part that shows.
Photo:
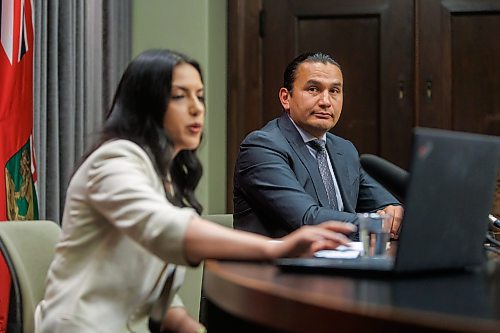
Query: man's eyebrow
(336,83)
(312,82)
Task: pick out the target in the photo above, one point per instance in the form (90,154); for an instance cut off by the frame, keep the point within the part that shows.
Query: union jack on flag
(7,32)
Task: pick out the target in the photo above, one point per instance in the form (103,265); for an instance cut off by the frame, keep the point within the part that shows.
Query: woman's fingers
(324,245)
(309,239)
(334,237)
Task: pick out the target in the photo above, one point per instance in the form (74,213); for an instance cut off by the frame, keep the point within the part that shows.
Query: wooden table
(247,297)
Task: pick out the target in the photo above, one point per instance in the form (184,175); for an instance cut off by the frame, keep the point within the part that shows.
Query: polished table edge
(254,299)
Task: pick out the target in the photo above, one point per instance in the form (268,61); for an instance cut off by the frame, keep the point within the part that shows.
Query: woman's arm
(207,240)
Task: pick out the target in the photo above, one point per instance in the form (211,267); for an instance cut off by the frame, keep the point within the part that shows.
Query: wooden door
(458,77)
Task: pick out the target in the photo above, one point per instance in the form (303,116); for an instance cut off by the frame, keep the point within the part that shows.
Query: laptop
(449,196)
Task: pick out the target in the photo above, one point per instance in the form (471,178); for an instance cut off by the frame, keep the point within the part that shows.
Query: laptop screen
(448,199)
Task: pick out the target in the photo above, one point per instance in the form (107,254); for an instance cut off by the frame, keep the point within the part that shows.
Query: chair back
(28,248)
(224,220)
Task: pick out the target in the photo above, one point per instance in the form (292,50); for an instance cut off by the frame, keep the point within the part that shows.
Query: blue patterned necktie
(324,170)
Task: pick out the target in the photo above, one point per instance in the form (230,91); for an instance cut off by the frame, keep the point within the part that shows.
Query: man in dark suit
(284,178)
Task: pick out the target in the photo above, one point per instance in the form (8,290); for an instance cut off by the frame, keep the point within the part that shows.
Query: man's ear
(284,96)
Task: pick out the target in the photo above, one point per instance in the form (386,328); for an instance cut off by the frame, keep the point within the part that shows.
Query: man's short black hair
(291,69)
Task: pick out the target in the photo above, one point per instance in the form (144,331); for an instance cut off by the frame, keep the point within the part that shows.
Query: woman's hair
(137,115)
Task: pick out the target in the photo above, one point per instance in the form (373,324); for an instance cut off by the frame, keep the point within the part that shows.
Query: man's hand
(396,213)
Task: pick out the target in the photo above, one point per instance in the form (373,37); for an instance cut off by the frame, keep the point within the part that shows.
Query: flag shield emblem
(20,188)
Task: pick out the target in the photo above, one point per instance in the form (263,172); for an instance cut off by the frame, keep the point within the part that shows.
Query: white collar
(306,137)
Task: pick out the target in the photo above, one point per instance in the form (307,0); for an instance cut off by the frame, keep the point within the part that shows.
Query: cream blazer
(121,241)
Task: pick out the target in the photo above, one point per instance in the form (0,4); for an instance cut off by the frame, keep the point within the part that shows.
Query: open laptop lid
(448,199)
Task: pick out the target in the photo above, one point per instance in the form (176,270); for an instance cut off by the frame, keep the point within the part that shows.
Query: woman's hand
(177,320)
(309,239)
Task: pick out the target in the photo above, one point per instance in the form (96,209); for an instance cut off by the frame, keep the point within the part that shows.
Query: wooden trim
(244,84)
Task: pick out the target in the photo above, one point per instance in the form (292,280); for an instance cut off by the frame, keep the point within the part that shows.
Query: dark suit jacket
(278,187)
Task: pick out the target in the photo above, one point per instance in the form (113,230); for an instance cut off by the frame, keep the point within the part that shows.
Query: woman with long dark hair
(131,219)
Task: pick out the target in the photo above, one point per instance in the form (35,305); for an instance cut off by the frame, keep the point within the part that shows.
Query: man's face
(315,103)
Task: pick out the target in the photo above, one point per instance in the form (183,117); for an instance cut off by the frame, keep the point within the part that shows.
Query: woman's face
(185,114)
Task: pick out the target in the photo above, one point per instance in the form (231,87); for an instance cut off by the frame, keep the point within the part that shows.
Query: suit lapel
(295,140)
(341,170)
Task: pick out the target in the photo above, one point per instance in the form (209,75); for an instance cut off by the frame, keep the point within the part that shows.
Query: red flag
(17,192)
(17,175)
